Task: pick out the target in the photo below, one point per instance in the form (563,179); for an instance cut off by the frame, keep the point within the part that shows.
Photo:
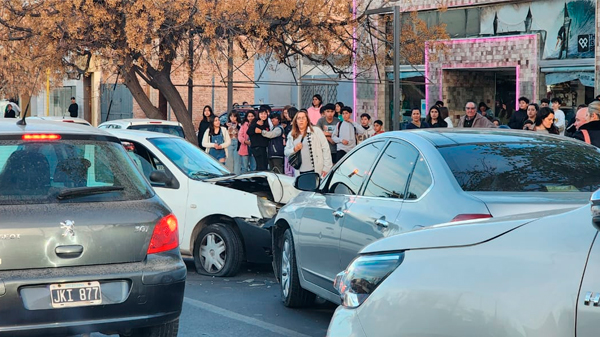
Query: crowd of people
(314,139)
(293,142)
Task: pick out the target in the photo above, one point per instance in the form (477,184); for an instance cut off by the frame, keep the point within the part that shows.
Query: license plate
(65,295)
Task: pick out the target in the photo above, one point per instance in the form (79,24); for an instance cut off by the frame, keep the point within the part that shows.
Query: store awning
(585,77)
(405,74)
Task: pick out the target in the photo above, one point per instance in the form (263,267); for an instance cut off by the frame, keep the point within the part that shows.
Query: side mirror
(162,178)
(308,182)
(596,208)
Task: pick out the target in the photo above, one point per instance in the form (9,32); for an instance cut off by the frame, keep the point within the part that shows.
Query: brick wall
(411,5)
(462,86)
(203,91)
(516,52)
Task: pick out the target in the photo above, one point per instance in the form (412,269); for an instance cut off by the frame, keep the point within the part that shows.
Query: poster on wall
(567,28)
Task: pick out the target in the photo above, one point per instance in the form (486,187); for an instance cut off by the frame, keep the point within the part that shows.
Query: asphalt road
(247,305)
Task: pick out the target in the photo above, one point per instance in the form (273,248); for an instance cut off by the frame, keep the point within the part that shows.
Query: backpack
(276,146)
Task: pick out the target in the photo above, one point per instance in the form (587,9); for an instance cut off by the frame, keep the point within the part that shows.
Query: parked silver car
(85,243)
(400,181)
(526,276)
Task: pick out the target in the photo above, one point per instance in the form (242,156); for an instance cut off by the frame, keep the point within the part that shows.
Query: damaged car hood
(281,186)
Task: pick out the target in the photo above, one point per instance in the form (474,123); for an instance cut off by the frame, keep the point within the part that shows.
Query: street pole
(396,103)
(191,74)
(48,92)
(299,82)
(229,75)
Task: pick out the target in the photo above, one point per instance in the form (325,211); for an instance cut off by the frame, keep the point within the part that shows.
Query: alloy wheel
(213,253)
(285,268)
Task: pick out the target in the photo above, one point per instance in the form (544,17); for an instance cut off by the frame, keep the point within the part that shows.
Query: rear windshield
(525,167)
(174,130)
(68,171)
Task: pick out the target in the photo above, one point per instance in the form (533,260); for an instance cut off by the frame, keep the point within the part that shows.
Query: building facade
(499,51)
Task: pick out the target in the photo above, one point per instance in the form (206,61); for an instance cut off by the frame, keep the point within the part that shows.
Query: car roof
(441,137)
(61,119)
(9,126)
(138,134)
(140,121)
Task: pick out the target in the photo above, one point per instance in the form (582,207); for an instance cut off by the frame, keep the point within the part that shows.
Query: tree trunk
(166,87)
(133,84)
(162,106)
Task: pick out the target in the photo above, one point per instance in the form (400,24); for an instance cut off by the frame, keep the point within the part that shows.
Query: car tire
(169,329)
(292,294)
(218,251)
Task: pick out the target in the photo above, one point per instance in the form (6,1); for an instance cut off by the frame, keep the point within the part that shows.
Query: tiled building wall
(597,82)
(517,52)
(462,86)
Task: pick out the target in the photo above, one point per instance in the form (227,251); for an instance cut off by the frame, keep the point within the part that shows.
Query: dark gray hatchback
(85,243)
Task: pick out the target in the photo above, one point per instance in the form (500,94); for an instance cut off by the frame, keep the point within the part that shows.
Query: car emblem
(69,227)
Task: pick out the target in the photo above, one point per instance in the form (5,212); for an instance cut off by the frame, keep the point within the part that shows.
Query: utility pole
(397,106)
(229,75)
(299,80)
(190,83)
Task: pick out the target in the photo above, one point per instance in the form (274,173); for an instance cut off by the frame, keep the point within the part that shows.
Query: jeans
(247,163)
(234,160)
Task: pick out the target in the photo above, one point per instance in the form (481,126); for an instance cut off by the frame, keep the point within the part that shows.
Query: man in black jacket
(590,131)
(73,108)
(518,118)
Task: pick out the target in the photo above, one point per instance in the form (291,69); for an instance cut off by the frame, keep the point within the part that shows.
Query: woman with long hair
(434,118)
(445,115)
(216,140)
(532,110)
(233,127)
(544,121)
(207,113)
(314,112)
(312,144)
(246,158)
(338,111)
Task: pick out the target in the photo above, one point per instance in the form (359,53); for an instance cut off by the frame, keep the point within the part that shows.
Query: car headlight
(364,275)
(267,208)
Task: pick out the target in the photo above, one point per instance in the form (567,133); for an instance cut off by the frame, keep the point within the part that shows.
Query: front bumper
(256,238)
(134,295)
(345,323)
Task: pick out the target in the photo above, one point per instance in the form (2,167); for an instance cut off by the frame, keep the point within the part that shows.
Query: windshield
(525,167)
(44,172)
(174,130)
(192,161)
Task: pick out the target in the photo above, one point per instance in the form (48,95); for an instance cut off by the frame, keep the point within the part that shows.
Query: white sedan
(222,217)
(531,275)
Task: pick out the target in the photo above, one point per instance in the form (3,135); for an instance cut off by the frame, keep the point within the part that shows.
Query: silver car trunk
(60,235)
(508,203)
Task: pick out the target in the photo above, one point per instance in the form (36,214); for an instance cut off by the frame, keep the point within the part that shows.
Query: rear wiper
(81,191)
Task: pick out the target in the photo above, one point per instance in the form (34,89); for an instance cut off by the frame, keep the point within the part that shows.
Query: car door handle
(338,214)
(69,252)
(382,223)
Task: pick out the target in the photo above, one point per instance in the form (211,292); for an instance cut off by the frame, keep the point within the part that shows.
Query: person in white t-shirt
(559,115)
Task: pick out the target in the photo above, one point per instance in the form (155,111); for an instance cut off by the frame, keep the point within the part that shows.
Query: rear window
(525,167)
(174,130)
(67,171)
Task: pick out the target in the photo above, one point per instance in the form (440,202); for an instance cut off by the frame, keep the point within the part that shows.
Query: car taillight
(40,137)
(462,217)
(165,236)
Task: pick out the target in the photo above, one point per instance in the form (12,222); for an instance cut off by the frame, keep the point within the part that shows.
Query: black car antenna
(22,121)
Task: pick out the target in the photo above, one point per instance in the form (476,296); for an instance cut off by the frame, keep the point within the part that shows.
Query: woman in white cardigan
(315,153)
(216,140)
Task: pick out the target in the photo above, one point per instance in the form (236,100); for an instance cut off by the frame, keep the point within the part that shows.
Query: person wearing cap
(328,124)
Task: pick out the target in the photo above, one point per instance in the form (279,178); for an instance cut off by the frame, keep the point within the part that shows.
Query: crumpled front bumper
(256,237)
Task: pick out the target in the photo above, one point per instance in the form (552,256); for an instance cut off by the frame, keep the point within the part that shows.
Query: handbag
(295,159)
